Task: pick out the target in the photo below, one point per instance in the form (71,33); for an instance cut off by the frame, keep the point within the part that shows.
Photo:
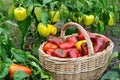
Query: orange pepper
(17,67)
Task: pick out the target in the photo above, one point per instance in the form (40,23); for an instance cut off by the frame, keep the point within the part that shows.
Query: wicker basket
(89,67)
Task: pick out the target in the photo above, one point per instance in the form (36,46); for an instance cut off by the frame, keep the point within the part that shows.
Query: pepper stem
(20,3)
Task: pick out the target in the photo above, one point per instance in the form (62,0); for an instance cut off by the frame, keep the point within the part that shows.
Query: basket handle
(83,31)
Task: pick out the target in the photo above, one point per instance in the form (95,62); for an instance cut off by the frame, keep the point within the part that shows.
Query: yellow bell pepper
(54,16)
(88,19)
(43,30)
(53,29)
(79,43)
(111,20)
(20,13)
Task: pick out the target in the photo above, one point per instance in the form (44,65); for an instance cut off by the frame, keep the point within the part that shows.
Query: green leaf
(20,75)
(0,1)
(11,12)
(24,28)
(119,66)
(105,2)
(45,75)
(28,2)
(94,27)
(97,19)
(46,1)
(64,13)
(101,27)
(71,30)
(119,55)
(24,25)
(52,5)
(35,65)
(12,23)
(110,75)
(2,17)
(44,17)
(8,61)
(19,55)
(89,3)
(35,50)
(5,28)
(38,13)
(4,70)
(3,53)
(33,58)
(2,31)
(113,55)
(2,78)
(5,43)
(29,10)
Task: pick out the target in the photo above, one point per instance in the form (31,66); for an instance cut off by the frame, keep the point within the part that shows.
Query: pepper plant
(10,54)
(101,13)
(104,13)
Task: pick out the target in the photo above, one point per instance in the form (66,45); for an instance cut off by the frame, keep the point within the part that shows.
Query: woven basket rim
(109,47)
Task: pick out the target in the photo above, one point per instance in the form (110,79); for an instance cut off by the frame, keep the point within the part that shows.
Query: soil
(116,41)
(114,35)
(116,48)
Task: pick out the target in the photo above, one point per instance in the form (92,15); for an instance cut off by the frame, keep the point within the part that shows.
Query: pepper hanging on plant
(17,67)
(20,13)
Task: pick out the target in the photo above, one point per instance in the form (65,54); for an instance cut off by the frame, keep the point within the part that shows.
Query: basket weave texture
(89,67)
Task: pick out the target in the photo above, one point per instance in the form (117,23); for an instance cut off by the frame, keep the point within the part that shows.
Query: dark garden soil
(116,48)
(113,33)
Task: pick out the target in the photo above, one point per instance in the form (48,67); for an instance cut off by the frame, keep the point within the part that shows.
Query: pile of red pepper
(74,46)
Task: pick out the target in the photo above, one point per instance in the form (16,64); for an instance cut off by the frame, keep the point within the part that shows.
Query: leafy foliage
(38,11)
(9,54)
(114,73)
(19,75)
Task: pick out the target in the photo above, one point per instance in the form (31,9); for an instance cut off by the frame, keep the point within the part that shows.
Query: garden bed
(24,37)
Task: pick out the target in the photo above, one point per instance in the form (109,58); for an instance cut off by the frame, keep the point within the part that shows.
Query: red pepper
(105,39)
(100,43)
(84,49)
(81,37)
(67,50)
(17,67)
(49,52)
(74,53)
(72,38)
(55,40)
(49,48)
(67,45)
(60,53)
